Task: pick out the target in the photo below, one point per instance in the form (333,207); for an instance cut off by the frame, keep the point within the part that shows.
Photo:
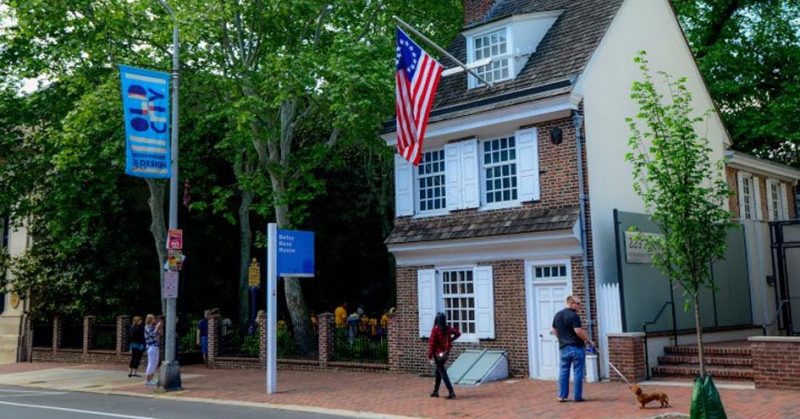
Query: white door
(550,286)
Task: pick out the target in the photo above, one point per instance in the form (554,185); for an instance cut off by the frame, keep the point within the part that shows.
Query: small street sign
(175,260)
(254,274)
(171,284)
(175,239)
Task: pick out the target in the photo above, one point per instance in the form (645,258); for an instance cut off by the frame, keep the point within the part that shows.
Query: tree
(748,51)
(683,191)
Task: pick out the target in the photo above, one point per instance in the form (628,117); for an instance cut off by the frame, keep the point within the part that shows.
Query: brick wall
(790,196)
(409,352)
(733,185)
(626,352)
(776,361)
(475,10)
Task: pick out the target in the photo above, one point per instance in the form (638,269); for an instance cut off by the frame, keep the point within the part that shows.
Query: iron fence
(72,336)
(104,336)
(43,335)
(240,340)
(297,345)
(351,346)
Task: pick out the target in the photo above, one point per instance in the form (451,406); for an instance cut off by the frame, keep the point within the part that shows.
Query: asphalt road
(28,403)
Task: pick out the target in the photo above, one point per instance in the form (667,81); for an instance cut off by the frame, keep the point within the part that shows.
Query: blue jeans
(571,355)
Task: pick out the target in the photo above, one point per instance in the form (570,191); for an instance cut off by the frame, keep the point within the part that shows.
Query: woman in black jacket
(136,336)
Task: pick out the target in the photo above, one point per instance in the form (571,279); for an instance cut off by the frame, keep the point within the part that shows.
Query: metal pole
(169,375)
(441,50)
(272,309)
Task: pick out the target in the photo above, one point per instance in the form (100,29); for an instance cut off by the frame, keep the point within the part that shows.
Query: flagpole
(441,50)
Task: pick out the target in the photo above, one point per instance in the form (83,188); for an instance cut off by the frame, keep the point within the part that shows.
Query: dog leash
(614,368)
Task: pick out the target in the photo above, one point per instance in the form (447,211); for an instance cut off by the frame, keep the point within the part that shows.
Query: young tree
(683,190)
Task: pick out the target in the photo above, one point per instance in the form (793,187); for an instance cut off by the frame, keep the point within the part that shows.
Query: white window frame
(777,204)
(753,193)
(482,168)
(465,336)
(473,82)
(417,204)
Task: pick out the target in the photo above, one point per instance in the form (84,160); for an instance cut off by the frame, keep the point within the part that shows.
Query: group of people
(145,337)
(360,324)
(572,342)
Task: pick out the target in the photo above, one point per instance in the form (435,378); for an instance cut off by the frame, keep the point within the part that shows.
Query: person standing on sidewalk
(152,337)
(137,345)
(202,335)
(439,344)
(572,340)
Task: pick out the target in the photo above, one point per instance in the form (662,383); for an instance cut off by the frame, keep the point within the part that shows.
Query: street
(18,402)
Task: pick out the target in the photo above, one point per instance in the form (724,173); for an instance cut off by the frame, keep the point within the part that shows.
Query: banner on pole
(171,284)
(145,101)
(175,239)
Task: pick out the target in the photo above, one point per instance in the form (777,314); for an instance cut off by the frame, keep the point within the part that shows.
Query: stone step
(742,361)
(690,370)
(708,350)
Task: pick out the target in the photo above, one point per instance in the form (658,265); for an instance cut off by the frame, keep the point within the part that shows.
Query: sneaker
(561,399)
(451,396)
(151,383)
(434,394)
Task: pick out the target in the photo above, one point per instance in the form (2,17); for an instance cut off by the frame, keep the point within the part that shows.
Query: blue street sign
(295,253)
(145,100)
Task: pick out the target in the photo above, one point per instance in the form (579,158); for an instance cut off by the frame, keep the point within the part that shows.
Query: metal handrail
(774,318)
(644,330)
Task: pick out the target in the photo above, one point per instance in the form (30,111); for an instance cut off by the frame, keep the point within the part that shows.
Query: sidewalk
(395,394)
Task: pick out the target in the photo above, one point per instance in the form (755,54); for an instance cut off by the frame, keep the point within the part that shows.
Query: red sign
(175,239)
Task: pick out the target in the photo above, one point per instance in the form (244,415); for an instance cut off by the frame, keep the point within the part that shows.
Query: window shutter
(403,187)
(784,203)
(757,195)
(470,180)
(740,189)
(770,202)
(527,165)
(484,302)
(426,300)
(452,176)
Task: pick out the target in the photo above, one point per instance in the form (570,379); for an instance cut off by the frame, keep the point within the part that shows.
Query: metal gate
(785,238)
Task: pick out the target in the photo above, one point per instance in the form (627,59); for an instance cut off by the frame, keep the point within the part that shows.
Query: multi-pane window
(500,170)
(431,181)
(546,272)
(490,45)
(775,198)
(459,299)
(747,197)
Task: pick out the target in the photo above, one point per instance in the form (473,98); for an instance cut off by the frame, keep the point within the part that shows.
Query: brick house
(512,207)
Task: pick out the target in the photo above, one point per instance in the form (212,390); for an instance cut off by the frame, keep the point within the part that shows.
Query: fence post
(261,321)
(27,340)
(325,339)
(394,345)
(56,334)
(213,338)
(123,324)
(88,333)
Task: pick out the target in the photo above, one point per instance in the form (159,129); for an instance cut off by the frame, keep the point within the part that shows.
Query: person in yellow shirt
(363,325)
(384,329)
(373,325)
(340,316)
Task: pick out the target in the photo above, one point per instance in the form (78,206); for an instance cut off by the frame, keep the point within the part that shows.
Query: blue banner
(145,100)
(295,253)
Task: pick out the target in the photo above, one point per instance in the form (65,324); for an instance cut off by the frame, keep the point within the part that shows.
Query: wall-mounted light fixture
(556,135)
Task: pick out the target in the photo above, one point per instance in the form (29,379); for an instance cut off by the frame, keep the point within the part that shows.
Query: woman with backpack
(136,339)
(439,344)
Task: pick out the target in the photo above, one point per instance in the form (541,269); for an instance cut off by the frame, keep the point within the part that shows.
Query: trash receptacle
(592,375)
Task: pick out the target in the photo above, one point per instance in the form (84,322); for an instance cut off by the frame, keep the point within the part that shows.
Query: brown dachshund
(645,398)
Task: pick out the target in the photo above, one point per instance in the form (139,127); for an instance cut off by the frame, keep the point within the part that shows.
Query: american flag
(417,77)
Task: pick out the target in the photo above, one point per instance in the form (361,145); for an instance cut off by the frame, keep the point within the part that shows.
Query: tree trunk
(245,243)
(159,230)
(699,329)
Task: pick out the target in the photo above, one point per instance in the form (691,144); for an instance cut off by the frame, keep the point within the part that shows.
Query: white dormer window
(493,46)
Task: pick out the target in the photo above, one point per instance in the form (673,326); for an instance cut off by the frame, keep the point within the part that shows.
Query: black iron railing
(43,335)
(104,336)
(355,347)
(72,336)
(240,340)
(652,322)
(297,345)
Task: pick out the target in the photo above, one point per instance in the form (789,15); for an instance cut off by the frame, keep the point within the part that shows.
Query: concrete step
(691,370)
(708,350)
(742,361)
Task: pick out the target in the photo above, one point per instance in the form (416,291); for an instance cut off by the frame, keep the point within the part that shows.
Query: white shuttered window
(465,295)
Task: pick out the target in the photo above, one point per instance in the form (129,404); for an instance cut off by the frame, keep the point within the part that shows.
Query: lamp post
(170,372)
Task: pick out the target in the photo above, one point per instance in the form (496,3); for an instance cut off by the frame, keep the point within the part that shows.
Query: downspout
(577,122)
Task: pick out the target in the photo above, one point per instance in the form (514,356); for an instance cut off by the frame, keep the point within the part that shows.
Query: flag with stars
(417,77)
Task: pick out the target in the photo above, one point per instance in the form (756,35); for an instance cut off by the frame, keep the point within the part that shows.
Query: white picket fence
(609,318)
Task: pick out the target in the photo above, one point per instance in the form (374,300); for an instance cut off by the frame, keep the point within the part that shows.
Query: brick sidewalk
(407,395)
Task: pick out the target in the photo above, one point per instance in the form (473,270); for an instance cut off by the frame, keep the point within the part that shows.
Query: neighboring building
(12,309)
(488,227)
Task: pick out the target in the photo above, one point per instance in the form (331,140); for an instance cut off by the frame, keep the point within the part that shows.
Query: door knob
(541,336)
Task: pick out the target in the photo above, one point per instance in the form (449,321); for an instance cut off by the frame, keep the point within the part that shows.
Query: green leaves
(683,191)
